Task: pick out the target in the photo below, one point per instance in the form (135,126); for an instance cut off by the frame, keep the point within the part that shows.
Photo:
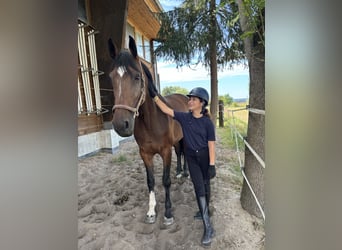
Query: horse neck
(148,108)
(150,113)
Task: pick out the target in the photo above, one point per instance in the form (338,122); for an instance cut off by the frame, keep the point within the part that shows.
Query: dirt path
(113,201)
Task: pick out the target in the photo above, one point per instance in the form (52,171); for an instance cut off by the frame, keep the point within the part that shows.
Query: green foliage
(227,99)
(174,89)
(254,10)
(235,104)
(186,32)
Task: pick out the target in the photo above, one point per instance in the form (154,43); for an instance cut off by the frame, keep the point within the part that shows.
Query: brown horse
(134,111)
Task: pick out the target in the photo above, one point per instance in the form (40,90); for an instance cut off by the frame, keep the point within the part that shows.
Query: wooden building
(97,22)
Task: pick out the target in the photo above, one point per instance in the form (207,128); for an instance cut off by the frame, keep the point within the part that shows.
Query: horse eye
(137,77)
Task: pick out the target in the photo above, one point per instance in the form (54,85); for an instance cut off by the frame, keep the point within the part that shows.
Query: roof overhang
(141,14)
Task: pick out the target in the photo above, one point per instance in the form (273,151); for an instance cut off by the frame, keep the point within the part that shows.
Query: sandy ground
(113,201)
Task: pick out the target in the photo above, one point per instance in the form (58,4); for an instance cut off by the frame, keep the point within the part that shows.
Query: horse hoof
(168,221)
(179,175)
(186,174)
(150,219)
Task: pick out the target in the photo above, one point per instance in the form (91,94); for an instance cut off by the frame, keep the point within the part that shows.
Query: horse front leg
(166,156)
(151,213)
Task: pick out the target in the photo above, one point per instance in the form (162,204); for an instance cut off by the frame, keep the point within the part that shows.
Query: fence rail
(260,160)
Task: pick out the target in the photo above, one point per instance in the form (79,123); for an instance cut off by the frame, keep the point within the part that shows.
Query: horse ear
(132,47)
(111,48)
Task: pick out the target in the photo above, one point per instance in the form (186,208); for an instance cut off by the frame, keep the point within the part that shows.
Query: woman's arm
(211,145)
(163,107)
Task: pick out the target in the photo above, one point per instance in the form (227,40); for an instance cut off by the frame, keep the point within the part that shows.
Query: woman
(199,139)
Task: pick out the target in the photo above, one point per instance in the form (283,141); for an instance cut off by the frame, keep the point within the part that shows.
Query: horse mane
(150,83)
(149,77)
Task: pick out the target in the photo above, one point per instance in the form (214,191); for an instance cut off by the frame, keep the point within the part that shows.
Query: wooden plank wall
(89,123)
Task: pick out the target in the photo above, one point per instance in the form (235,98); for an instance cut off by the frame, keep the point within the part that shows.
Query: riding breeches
(198,163)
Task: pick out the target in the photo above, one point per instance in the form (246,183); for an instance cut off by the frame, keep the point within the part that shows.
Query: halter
(141,98)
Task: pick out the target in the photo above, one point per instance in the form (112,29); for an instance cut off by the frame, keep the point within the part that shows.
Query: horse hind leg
(177,147)
(185,167)
(185,164)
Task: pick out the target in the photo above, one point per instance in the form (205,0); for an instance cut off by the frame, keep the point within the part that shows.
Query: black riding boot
(198,215)
(209,231)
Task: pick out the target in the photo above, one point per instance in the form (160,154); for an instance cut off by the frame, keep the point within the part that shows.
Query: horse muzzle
(123,125)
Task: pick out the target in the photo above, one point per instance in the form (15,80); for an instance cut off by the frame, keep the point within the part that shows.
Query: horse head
(128,82)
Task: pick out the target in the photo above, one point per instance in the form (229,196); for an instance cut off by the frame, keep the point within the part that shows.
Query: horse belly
(179,103)
(177,132)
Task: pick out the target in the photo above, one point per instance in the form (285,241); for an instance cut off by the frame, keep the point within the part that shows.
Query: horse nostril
(126,125)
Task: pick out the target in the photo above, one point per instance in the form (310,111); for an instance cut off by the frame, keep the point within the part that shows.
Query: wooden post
(221,113)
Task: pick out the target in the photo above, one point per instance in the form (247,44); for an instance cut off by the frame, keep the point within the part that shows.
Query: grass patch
(241,114)
(227,138)
(119,159)
(227,134)
(236,169)
(238,120)
(237,178)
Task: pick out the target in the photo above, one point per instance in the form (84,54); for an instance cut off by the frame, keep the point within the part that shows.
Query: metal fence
(89,98)
(237,135)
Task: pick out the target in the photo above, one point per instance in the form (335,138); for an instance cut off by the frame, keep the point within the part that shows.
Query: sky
(234,82)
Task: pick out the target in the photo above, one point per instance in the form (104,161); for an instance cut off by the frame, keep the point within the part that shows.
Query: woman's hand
(212,171)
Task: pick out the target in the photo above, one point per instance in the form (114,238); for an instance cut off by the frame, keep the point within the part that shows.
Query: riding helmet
(201,93)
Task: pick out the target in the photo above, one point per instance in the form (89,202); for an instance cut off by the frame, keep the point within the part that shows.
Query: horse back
(177,102)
